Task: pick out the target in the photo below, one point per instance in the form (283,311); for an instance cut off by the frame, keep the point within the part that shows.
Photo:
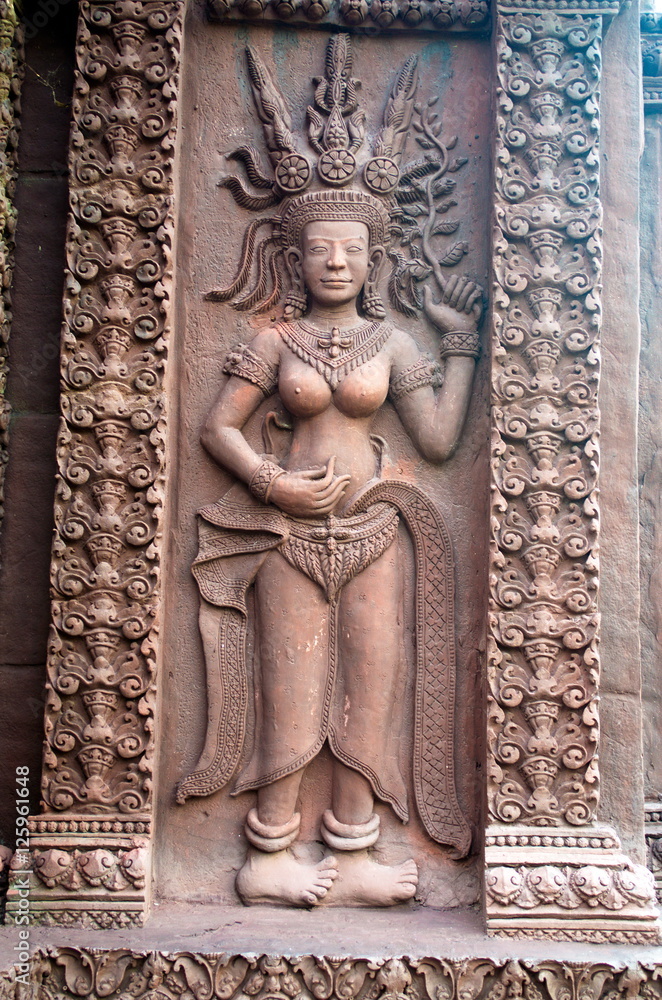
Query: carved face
(336,260)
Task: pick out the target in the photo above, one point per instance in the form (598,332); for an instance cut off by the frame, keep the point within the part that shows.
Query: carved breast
(306,393)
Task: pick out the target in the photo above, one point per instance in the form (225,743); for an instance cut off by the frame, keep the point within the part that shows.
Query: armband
(458,343)
(245,363)
(424,371)
(262,480)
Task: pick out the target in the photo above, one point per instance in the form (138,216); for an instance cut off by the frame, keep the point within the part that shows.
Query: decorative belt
(331,551)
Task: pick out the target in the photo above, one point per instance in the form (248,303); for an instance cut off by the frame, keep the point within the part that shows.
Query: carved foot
(364,882)
(282,881)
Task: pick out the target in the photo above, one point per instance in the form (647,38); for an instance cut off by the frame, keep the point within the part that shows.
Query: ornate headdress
(338,187)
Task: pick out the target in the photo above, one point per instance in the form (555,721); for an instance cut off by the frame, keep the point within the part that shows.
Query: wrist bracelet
(459,343)
(263,479)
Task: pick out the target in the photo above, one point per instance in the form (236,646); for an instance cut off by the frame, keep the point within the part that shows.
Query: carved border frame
(91,843)
(550,870)
(74,972)
(11,74)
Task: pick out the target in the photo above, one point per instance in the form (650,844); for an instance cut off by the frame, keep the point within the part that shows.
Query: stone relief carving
(316,533)
(653,834)
(651,54)
(545,855)
(11,72)
(101,665)
(543,669)
(74,972)
(393,15)
(102,656)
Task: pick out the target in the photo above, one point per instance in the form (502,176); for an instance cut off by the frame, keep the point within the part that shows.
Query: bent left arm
(434,420)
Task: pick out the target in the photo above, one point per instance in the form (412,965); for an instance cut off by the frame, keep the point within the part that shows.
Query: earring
(372,301)
(296,304)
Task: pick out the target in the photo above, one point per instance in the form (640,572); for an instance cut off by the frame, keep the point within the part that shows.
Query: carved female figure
(316,538)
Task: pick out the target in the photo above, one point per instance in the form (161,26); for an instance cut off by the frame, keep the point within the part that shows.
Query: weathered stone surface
(650,451)
(26,543)
(618,599)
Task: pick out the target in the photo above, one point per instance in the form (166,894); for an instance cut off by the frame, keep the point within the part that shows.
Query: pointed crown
(342,181)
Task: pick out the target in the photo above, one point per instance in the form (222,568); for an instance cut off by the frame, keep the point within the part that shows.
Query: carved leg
(292,618)
(371,654)
(362,881)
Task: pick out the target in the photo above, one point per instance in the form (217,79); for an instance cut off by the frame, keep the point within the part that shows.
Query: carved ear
(296,300)
(293,260)
(377,256)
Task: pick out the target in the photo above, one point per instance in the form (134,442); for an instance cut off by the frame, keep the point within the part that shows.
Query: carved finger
(322,492)
(312,473)
(474,298)
(464,296)
(450,288)
(330,466)
(327,505)
(457,293)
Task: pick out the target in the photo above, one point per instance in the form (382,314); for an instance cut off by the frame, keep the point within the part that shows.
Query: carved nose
(336,260)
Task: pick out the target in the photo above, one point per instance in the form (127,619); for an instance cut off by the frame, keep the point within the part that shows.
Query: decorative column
(90,846)
(11,72)
(551,870)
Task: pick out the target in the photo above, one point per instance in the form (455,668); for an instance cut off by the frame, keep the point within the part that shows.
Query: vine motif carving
(11,72)
(543,666)
(99,717)
(74,972)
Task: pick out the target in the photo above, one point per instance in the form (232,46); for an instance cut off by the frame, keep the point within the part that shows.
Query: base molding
(567,884)
(82,872)
(120,973)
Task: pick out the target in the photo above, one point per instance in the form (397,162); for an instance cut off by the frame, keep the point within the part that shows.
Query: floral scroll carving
(543,670)
(74,972)
(102,652)
(99,719)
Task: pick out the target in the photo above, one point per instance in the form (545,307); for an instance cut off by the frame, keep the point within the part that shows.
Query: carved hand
(310,492)
(460,307)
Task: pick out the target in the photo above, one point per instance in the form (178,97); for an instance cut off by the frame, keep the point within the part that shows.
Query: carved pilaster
(97,776)
(556,873)
(653,834)
(651,55)
(11,72)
